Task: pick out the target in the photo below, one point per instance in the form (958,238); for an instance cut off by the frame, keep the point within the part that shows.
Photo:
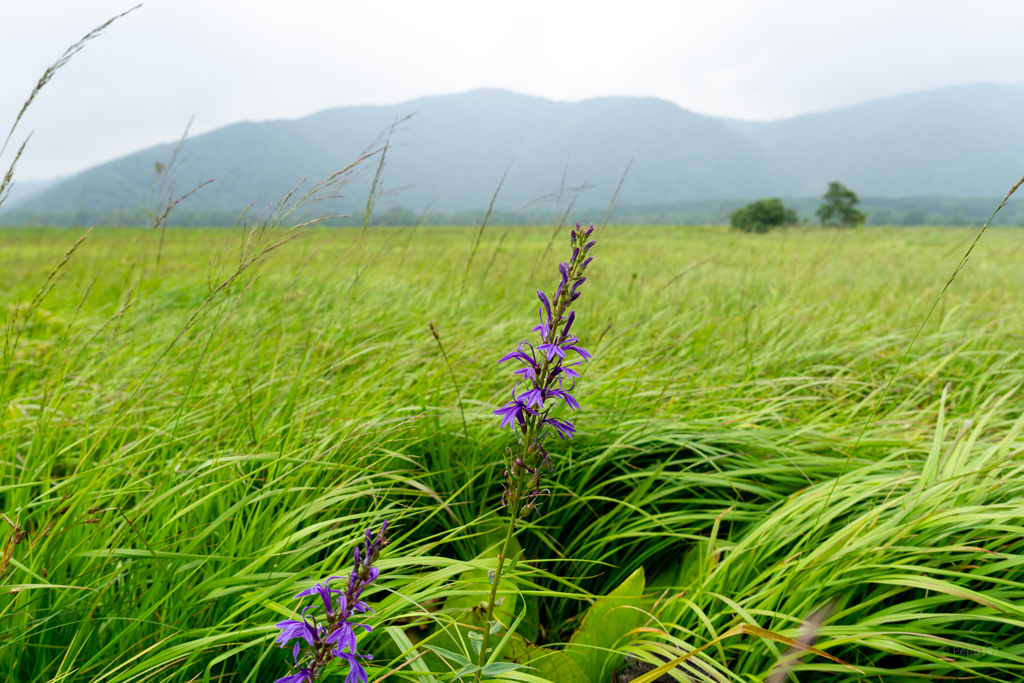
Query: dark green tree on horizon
(762,216)
(837,207)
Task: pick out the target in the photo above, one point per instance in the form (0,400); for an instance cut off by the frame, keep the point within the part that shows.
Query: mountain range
(449,153)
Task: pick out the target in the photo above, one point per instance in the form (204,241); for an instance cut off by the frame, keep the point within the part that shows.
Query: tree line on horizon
(894,211)
(837,210)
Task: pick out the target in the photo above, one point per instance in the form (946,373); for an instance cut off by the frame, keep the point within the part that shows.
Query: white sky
(228,60)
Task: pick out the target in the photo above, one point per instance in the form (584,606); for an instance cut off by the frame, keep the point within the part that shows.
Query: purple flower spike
(337,630)
(544,371)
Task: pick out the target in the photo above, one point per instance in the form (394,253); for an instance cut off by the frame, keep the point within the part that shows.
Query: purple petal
(583,352)
(292,628)
(565,429)
(518,355)
(552,351)
(508,415)
(534,397)
(566,398)
(527,373)
(544,300)
(568,323)
(577,284)
(343,637)
(569,372)
(302,676)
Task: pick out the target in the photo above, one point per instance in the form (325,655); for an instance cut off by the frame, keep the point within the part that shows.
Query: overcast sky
(227,60)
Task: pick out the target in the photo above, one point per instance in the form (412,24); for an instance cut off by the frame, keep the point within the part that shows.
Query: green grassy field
(185,456)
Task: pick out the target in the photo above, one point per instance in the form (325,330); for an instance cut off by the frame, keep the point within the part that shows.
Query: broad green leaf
(549,665)
(462,606)
(605,626)
(500,647)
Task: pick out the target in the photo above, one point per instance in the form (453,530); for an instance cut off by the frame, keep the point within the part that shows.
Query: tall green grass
(184,457)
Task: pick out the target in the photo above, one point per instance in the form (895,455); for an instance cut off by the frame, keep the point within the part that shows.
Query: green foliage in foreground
(185,457)
(762,216)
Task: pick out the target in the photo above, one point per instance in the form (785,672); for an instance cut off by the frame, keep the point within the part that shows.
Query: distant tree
(762,216)
(837,207)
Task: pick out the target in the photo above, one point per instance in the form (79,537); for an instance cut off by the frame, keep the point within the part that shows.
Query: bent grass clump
(177,500)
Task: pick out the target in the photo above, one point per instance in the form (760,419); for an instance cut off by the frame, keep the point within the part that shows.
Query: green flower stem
(509,534)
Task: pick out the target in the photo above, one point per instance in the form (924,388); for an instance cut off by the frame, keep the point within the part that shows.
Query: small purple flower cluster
(334,636)
(547,374)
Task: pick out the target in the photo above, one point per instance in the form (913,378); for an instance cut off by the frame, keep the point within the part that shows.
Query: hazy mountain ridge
(958,141)
(451,153)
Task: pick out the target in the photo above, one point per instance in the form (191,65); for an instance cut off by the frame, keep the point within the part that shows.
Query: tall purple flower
(550,379)
(320,642)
